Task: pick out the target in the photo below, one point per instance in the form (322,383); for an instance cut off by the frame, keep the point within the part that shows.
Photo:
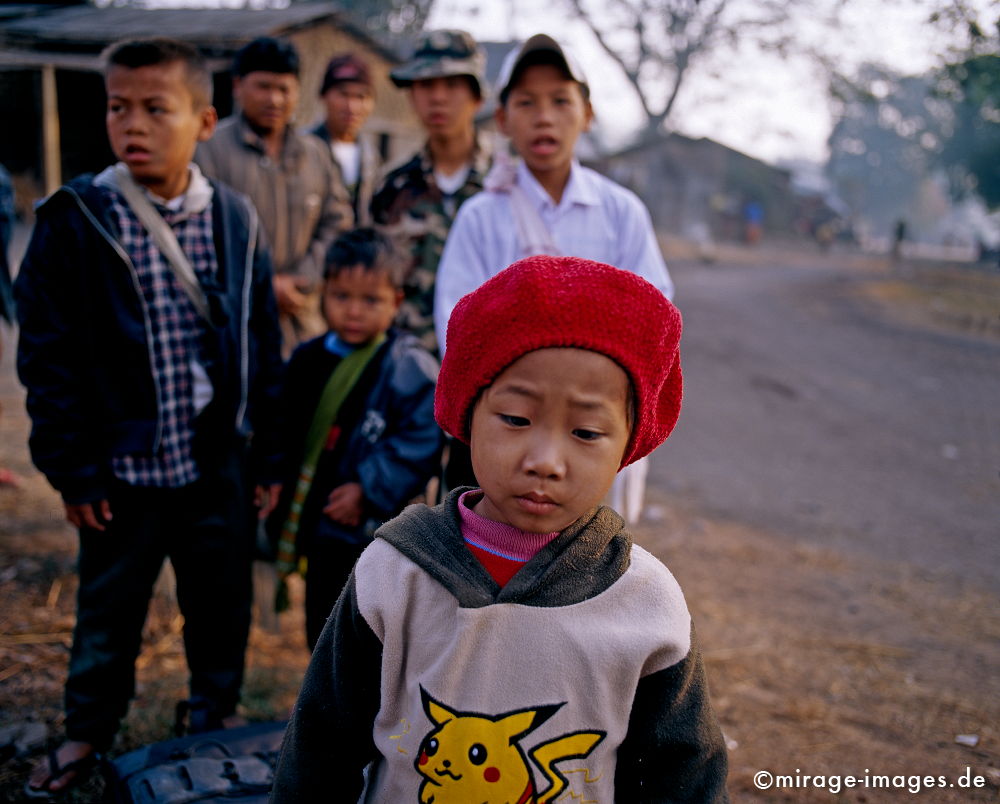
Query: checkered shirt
(176,332)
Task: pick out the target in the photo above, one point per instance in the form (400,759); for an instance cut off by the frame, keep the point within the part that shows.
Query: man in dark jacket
(149,348)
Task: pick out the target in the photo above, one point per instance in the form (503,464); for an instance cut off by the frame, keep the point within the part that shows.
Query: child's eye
(586,435)
(514,421)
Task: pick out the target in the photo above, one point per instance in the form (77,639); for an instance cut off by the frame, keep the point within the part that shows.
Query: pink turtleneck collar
(498,537)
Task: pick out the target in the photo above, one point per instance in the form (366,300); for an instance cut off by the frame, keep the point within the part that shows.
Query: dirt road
(814,409)
(829,503)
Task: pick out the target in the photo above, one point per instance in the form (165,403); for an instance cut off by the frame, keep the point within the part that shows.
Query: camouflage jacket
(410,207)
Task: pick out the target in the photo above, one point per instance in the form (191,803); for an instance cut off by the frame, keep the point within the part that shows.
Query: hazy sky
(757,104)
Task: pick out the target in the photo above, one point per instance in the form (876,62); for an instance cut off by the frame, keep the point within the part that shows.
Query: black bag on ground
(215,766)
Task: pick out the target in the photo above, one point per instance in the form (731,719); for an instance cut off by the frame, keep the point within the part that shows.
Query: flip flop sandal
(78,767)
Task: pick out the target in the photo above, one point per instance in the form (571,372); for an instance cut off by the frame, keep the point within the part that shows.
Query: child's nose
(545,459)
(544,113)
(135,122)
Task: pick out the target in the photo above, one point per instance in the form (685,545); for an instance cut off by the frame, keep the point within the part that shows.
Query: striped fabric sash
(342,381)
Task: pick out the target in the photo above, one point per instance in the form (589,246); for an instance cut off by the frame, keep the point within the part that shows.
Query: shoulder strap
(164,237)
(533,236)
(339,385)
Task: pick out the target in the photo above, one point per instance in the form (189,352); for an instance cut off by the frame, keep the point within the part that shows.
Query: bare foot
(62,768)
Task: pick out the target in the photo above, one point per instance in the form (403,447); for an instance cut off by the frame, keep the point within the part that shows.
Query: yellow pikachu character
(470,758)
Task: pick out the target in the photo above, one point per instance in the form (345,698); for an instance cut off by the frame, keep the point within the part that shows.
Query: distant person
(898,236)
(360,436)
(149,351)
(753,222)
(513,644)
(419,200)
(7,218)
(348,95)
(289,176)
(548,203)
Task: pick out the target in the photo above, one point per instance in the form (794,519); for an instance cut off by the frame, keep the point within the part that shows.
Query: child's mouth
(535,503)
(135,153)
(544,146)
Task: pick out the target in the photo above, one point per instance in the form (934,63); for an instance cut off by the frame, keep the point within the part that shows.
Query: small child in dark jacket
(358,405)
(513,644)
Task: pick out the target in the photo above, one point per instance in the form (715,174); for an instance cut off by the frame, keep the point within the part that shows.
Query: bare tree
(389,18)
(657,43)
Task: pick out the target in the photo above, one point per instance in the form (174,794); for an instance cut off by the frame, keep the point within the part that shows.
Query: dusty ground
(818,663)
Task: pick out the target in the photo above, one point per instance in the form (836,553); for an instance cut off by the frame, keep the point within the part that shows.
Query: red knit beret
(542,302)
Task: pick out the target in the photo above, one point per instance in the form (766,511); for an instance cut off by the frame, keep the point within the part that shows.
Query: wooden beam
(51,152)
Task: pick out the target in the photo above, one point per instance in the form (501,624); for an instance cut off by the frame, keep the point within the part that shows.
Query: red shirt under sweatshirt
(502,549)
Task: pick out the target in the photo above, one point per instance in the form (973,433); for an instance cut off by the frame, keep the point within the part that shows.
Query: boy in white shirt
(548,203)
(544,108)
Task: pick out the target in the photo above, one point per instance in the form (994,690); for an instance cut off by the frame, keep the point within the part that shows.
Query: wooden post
(51,153)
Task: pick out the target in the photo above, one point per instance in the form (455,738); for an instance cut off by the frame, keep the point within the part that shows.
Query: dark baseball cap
(344,68)
(440,54)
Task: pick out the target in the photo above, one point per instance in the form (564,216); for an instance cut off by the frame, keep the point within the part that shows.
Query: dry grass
(819,663)
(829,665)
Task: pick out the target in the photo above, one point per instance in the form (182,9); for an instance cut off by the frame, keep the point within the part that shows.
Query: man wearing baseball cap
(348,94)
(418,200)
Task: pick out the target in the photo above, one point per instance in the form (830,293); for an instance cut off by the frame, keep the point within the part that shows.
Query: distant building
(695,187)
(52,91)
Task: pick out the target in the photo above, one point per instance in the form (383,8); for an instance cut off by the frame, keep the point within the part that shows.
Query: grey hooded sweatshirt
(433,684)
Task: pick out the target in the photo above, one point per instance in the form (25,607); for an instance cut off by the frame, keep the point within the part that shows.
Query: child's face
(154,124)
(544,115)
(267,99)
(359,304)
(348,105)
(548,437)
(446,106)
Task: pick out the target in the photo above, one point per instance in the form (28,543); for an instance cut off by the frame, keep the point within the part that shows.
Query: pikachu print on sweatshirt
(473,757)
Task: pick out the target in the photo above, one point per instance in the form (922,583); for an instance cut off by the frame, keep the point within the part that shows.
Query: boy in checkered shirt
(145,379)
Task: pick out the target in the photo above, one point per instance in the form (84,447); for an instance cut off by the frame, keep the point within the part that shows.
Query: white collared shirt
(595,219)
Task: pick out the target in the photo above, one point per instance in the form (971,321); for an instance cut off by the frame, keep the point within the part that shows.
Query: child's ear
(588,115)
(500,115)
(209,119)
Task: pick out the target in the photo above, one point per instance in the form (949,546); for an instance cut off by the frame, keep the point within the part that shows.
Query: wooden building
(690,184)
(52,89)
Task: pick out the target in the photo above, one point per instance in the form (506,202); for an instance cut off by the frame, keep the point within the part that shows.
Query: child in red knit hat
(512,644)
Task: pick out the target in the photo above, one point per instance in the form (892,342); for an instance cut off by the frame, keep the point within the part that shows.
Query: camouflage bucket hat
(440,54)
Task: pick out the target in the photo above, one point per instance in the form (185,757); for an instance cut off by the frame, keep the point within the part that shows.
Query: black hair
(268,55)
(369,248)
(477,90)
(152,51)
(541,57)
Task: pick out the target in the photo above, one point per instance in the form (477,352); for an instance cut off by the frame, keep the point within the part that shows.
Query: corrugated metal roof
(88,27)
